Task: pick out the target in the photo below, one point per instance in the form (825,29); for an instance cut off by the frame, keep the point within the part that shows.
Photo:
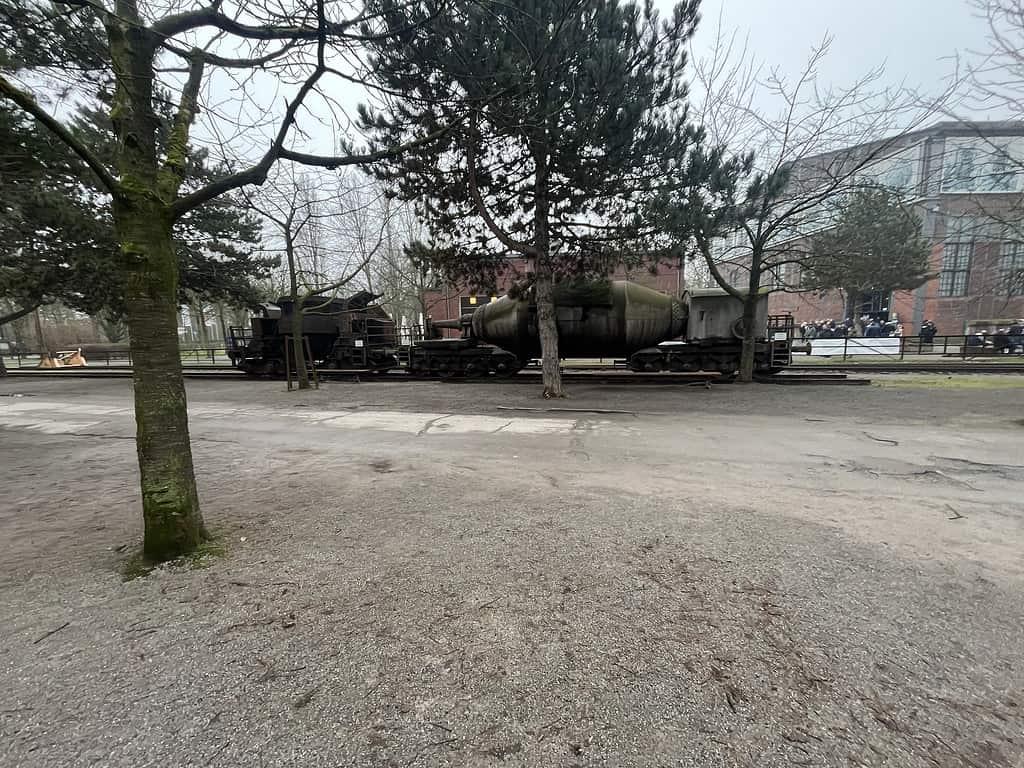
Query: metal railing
(203,356)
(991,347)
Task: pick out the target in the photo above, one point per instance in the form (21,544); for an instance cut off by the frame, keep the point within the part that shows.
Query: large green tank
(600,319)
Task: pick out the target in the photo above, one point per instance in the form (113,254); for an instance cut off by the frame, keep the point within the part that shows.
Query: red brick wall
(807,307)
(949,313)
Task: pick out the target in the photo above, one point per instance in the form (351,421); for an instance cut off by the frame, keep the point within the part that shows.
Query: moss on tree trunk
(298,311)
(749,345)
(547,330)
(298,350)
(750,301)
(544,288)
(170,503)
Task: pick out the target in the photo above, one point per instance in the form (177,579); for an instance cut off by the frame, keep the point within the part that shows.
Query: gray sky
(915,39)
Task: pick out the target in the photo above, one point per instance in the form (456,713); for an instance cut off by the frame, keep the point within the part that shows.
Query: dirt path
(417,580)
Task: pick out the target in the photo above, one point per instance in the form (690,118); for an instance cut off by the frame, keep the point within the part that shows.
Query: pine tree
(875,245)
(58,236)
(563,115)
(129,51)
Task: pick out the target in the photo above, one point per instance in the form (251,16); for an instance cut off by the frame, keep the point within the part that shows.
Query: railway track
(523,377)
(794,374)
(527,377)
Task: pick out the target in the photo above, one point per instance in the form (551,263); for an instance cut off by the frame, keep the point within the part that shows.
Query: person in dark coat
(873,331)
(928,331)
(1016,332)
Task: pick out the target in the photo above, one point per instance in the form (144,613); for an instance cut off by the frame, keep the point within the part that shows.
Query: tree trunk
(749,348)
(748,352)
(852,302)
(170,503)
(44,349)
(298,351)
(547,330)
(544,287)
(223,325)
(204,337)
(298,311)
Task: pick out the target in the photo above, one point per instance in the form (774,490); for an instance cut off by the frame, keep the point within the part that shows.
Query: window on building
(961,174)
(875,303)
(984,166)
(1011,268)
(469,304)
(957,252)
(900,175)
(1003,170)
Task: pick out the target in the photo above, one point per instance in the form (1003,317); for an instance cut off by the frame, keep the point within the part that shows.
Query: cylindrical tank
(601,319)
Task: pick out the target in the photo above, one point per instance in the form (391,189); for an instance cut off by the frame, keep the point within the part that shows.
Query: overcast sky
(916,39)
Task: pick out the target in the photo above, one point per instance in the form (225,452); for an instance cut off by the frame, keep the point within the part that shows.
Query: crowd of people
(869,326)
(1007,341)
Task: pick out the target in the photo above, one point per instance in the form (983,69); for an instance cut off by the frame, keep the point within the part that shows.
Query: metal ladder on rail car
(780,328)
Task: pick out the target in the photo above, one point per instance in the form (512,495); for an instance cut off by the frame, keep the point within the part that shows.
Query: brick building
(966,183)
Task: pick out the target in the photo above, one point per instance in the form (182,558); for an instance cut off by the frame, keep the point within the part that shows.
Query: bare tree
(996,75)
(310,215)
(995,83)
(400,273)
(811,146)
(191,52)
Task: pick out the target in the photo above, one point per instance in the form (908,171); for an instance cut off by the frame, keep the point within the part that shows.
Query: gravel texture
(751,576)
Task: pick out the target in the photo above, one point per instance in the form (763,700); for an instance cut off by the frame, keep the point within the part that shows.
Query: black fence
(965,347)
(200,356)
(990,347)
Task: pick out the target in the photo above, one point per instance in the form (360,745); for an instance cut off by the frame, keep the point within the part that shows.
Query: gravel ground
(736,577)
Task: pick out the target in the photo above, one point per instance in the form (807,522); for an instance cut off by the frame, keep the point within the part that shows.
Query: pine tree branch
(713,268)
(20,313)
(504,237)
(31,106)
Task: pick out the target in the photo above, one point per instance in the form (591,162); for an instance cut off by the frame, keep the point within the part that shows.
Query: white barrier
(856,345)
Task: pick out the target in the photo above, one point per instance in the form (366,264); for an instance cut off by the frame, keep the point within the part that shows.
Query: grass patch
(206,554)
(939,381)
(139,566)
(136,566)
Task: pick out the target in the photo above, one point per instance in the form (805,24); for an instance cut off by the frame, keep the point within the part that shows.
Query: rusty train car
(699,331)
